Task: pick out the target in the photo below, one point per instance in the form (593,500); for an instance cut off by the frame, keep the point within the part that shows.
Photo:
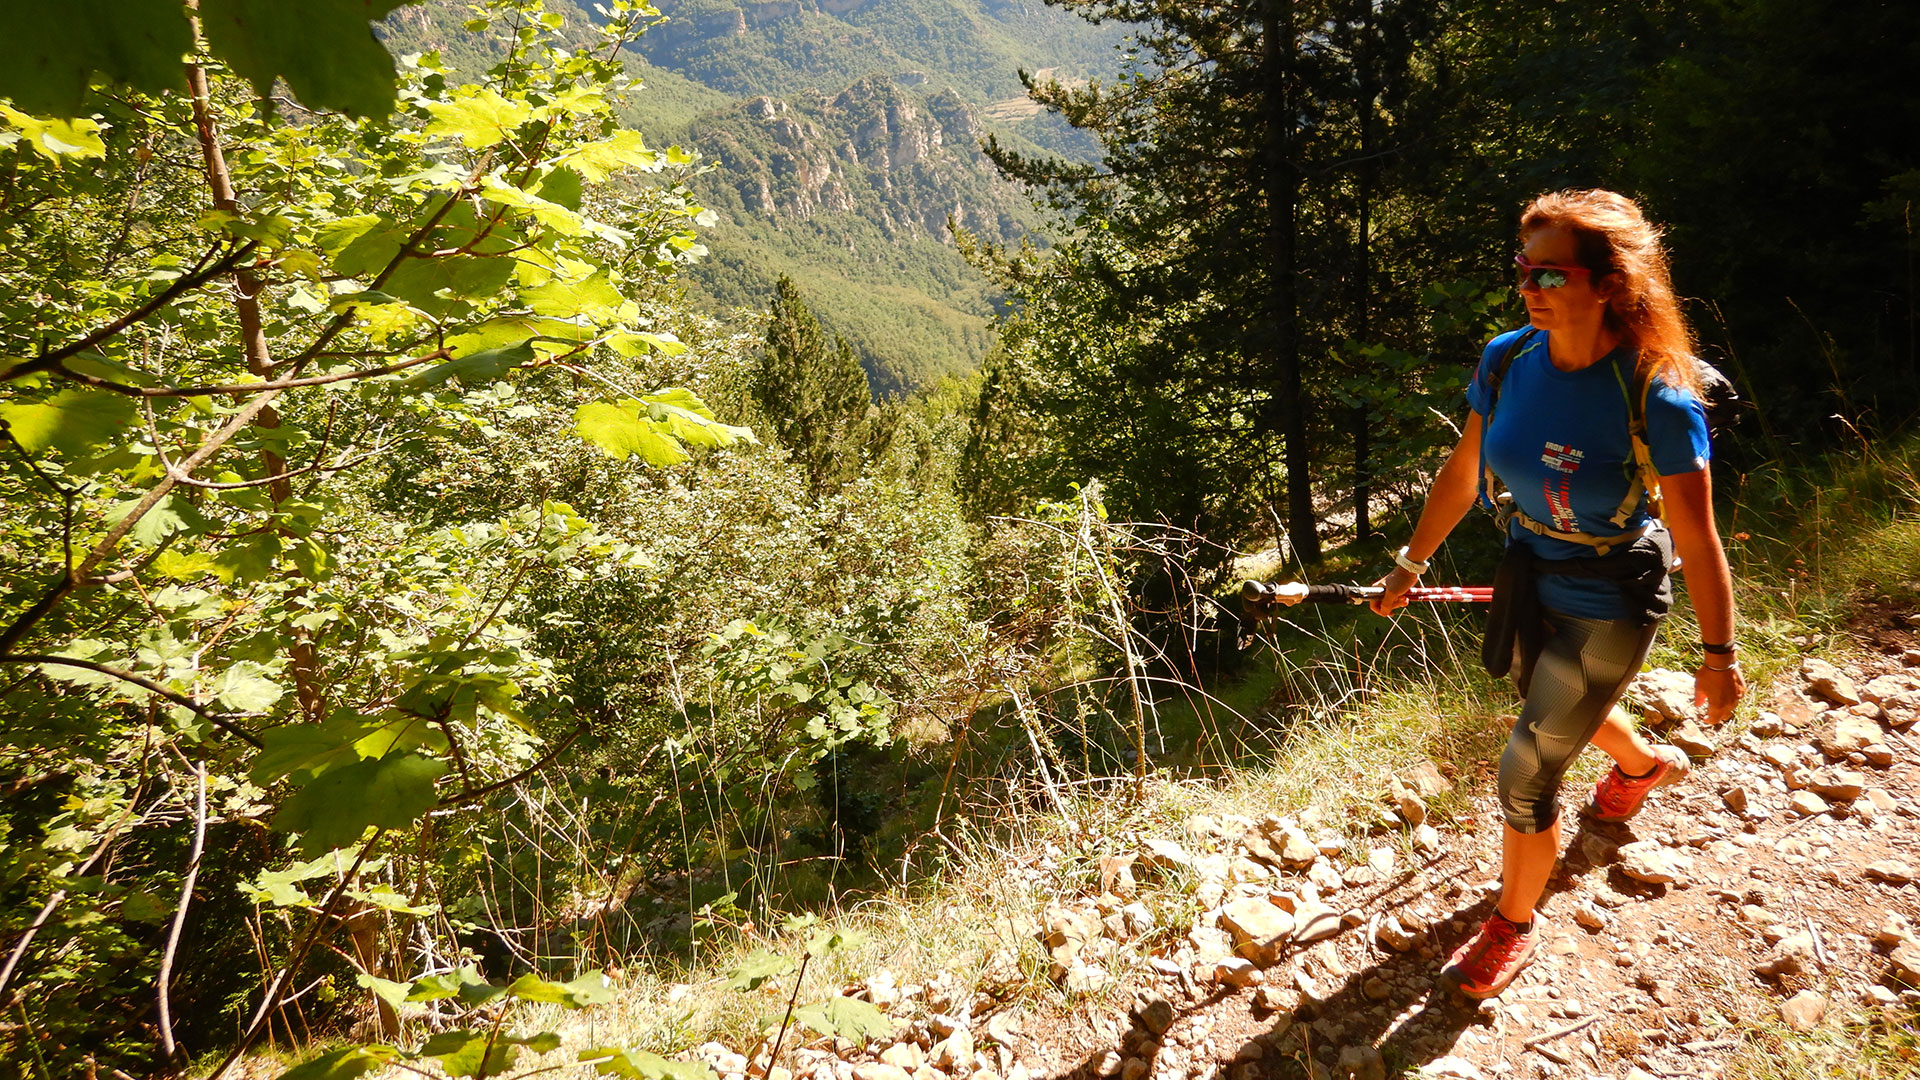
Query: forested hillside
(428,608)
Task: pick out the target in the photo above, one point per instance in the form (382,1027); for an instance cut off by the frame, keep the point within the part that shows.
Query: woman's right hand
(1396,584)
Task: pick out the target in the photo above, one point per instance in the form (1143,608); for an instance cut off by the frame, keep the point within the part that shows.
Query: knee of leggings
(1527,789)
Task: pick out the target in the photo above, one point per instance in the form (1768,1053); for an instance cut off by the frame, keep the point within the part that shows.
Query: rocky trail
(1772,890)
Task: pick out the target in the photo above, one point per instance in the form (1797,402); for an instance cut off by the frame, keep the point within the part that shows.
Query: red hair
(1616,241)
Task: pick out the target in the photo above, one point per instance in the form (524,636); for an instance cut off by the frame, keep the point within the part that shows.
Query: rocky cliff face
(905,160)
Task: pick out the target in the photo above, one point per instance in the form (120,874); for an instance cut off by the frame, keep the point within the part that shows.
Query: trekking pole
(1262,597)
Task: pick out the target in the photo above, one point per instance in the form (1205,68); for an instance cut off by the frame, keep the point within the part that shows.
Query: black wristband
(1717,648)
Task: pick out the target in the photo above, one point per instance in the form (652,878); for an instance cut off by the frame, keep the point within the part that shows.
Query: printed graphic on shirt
(1564,461)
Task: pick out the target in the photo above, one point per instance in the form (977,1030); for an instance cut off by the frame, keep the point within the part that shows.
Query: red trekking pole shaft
(1286,594)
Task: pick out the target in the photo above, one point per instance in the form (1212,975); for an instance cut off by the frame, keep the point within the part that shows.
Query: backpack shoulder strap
(1643,478)
(1488,482)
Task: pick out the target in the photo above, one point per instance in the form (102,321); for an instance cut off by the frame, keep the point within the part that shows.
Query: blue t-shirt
(1559,442)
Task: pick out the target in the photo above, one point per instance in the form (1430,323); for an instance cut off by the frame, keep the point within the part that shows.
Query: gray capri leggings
(1583,667)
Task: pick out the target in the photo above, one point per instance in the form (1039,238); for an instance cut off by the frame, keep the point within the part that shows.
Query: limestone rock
(1894,932)
(1790,957)
(1450,1068)
(1426,839)
(1905,958)
(1260,929)
(1381,860)
(1690,737)
(1664,695)
(1829,682)
(1766,725)
(1107,1064)
(1314,921)
(1413,809)
(1590,916)
(1735,799)
(1426,780)
(1296,851)
(1116,874)
(1210,944)
(1882,687)
(1803,1011)
(1846,735)
(1360,1063)
(1235,971)
(880,1070)
(902,1055)
(1324,876)
(1134,1069)
(1155,1015)
(1392,935)
(1649,861)
(1806,804)
(1891,871)
(1163,855)
(1837,785)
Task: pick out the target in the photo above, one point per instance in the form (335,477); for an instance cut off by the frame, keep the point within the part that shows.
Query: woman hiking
(1557,410)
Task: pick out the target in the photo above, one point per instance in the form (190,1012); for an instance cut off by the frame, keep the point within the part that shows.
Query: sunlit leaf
(621,431)
(845,1017)
(757,969)
(72,421)
(332,810)
(343,1064)
(640,1065)
(473,370)
(478,119)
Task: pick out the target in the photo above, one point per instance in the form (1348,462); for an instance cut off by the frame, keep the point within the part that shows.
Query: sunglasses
(1545,275)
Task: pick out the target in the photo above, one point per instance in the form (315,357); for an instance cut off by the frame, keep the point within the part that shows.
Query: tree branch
(218,720)
(476,794)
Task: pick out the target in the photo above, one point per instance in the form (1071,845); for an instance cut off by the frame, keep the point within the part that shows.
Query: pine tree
(814,394)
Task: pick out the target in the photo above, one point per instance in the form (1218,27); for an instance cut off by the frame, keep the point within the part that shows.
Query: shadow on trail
(1394,1002)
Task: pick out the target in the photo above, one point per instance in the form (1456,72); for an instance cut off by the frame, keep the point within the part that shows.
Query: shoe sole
(1676,772)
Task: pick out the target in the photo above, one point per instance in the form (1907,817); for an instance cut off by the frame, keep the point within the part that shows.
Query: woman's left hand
(1719,690)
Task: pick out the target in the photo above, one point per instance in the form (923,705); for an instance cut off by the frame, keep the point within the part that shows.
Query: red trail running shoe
(1618,796)
(1489,961)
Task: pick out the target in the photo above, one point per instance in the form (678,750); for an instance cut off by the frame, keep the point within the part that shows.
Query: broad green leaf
(309,749)
(551,214)
(623,149)
(515,330)
(393,993)
(562,186)
(144,907)
(184,566)
(246,688)
(478,119)
(72,421)
(247,560)
(361,246)
(324,49)
(386,898)
(51,48)
(757,969)
(595,298)
(105,367)
(170,515)
(689,426)
(826,942)
(473,370)
(436,286)
(637,342)
(400,733)
(331,810)
(344,1064)
(845,1017)
(590,989)
(621,432)
(280,887)
(640,1065)
(469,1053)
(465,984)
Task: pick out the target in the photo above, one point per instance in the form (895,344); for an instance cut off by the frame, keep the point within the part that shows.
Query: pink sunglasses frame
(1529,269)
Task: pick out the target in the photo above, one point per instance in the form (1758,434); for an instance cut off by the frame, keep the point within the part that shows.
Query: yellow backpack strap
(1600,544)
(1643,478)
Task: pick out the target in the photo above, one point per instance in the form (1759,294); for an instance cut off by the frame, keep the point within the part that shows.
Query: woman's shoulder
(1498,348)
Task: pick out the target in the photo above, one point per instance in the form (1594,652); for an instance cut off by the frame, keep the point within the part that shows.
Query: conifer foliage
(815,395)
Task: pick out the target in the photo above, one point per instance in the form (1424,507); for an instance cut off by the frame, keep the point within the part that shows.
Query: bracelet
(1415,568)
(1720,648)
(1735,666)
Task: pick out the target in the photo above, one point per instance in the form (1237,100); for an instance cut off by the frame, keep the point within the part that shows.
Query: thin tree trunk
(1363,265)
(1283,183)
(253,335)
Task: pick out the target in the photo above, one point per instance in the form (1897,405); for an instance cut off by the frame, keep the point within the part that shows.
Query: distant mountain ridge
(846,135)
